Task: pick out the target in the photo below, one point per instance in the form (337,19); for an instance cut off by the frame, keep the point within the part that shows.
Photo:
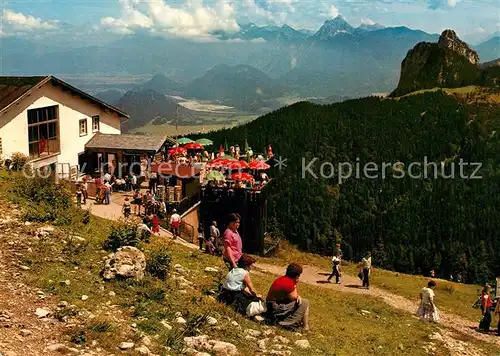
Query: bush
(19,160)
(123,234)
(159,264)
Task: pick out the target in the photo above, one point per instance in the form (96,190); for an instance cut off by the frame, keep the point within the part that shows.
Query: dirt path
(317,277)
(22,332)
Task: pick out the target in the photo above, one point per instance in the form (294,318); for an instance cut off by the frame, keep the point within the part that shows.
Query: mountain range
(338,59)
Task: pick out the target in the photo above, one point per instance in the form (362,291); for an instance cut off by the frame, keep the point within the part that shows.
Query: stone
(235,323)
(198,342)
(201,354)
(127,262)
(42,313)
(211,269)
(211,321)
(221,348)
(112,294)
(85,297)
(250,338)
(269,332)
(61,348)
(146,341)
(126,345)
(262,344)
(24,268)
(66,282)
(63,304)
(26,332)
(178,314)
(251,332)
(436,336)
(365,311)
(180,320)
(166,325)
(143,350)
(281,340)
(303,344)
(77,238)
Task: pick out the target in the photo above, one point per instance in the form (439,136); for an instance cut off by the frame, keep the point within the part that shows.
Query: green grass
(338,326)
(455,298)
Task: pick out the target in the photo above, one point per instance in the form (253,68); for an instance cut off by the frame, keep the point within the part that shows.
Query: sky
(196,19)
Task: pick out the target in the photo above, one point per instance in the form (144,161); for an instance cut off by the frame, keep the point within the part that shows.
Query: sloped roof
(14,89)
(126,142)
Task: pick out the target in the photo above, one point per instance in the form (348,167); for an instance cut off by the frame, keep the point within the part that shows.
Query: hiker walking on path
(233,245)
(336,260)
(427,309)
(156,225)
(175,223)
(284,305)
(486,305)
(366,267)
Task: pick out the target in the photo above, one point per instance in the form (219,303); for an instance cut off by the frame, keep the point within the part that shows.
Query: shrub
(19,160)
(123,234)
(159,263)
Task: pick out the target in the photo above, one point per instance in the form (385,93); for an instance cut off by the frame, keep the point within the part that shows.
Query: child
(336,269)
(79,194)
(126,208)
(137,202)
(156,224)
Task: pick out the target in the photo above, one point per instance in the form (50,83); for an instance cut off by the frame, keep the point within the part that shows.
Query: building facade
(50,121)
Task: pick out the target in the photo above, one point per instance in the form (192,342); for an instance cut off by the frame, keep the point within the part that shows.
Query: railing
(186,230)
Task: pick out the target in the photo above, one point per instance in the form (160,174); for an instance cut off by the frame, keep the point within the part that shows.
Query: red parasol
(176,151)
(194,146)
(259,165)
(242,177)
(236,165)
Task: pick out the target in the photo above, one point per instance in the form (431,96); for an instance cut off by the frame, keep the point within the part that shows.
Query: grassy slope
(452,297)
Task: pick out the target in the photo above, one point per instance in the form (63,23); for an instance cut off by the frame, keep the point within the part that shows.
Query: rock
(303,344)
(41,313)
(180,320)
(178,314)
(201,354)
(26,332)
(262,344)
(401,347)
(166,325)
(9,353)
(250,338)
(143,350)
(281,353)
(450,40)
(66,282)
(281,340)
(77,238)
(365,312)
(63,304)
(85,297)
(126,345)
(146,341)
(268,332)
(127,262)
(436,336)
(199,342)
(221,348)
(252,332)
(211,321)
(211,269)
(61,348)
(235,323)
(24,268)
(112,294)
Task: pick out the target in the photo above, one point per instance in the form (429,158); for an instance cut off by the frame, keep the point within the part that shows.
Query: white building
(51,121)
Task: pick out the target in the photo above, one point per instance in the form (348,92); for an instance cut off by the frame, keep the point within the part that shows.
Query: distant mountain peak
(334,27)
(450,40)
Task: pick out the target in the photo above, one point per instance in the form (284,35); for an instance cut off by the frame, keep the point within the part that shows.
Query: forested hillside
(411,225)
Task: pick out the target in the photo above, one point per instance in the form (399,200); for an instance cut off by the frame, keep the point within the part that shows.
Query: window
(83,127)
(96,124)
(43,131)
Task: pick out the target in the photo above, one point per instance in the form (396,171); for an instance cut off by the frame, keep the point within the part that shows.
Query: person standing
(79,195)
(156,224)
(336,260)
(106,187)
(486,305)
(497,312)
(126,208)
(85,187)
(233,245)
(215,237)
(201,235)
(133,181)
(175,223)
(427,309)
(366,267)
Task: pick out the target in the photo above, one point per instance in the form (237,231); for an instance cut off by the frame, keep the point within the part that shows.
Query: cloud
(441,4)
(192,19)
(367,21)
(333,11)
(17,22)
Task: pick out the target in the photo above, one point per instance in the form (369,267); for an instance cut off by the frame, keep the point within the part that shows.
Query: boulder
(303,344)
(126,345)
(127,262)
(41,313)
(221,348)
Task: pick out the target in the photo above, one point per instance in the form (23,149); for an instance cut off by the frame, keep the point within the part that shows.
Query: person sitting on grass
(144,231)
(285,306)
(237,288)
